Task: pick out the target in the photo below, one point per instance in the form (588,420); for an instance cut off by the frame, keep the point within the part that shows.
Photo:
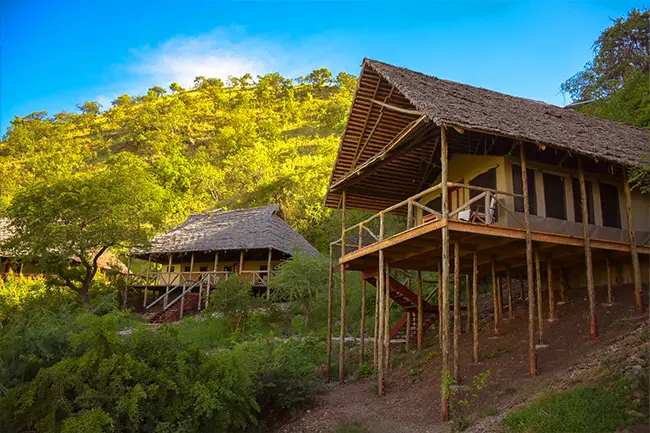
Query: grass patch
(588,409)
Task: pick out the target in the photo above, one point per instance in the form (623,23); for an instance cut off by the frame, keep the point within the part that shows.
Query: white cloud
(213,55)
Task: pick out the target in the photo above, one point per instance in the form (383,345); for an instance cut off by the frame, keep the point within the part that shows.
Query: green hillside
(249,142)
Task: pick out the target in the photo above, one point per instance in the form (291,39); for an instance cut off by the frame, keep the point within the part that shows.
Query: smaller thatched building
(215,245)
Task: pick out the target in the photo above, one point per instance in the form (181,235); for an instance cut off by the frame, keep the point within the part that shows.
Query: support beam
(444,292)
(475,306)
(376,331)
(241,262)
(343,297)
(387,318)
(509,288)
(532,352)
(495,300)
(457,323)
(538,288)
(551,293)
(468,302)
(593,322)
(362,330)
(330,294)
(439,296)
(608,265)
(192,266)
(144,301)
(636,268)
(408,331)
(381,386)
(420,312)
(268,273)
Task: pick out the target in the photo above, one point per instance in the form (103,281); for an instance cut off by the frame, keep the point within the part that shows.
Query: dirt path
(412,403)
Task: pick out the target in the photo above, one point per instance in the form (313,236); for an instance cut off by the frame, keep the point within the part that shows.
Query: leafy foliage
(232,298)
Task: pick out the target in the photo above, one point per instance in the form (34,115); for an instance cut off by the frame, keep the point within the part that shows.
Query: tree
(122,100)
(318,78)
(232,297)
(621,50)
(175,87)
(81,217)
(156,92)
(300,279)
(90,107)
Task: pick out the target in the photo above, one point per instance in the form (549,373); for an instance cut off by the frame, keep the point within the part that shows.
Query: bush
(231,297)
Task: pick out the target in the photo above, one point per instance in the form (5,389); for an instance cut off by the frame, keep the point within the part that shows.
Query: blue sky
(57,54)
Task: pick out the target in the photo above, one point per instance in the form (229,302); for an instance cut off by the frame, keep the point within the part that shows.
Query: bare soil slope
(412,403)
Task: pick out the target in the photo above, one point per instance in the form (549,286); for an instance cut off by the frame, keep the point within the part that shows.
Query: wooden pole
(408,331)
(521,289)
(495,299)
(381,385)
(509,288)
(551,293)
(468,302)
(444,292)
(241,262)
(420,312)
(500,297)
(457,323)
(330,294)
(192,266)
(475,305)
(440,306)
(144,302)
(376,333)
(268,273)
(562,285)
(532,351)
(388,304)
(608,265)
(169,279)
(362,329)
(343,297)
(538,288)
(593,323)
(636,268)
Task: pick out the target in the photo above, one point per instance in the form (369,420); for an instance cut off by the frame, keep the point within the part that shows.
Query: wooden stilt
(509,288)
(241,262)
(636,268)
(457,323)
(362,331)
(268,272)
(169,279)
(538,288)
(420,312)
(551,293)
(532,351)
(562,284)
(444,278)
(387,318)
(330,294)
(376,331)
(500,297)
(475,305)
(191,267)
(495,300)
(408,331)
(593,323)
(610,297)
(440,306)
(343,296)
(144,301)
(380,315)
(468,302)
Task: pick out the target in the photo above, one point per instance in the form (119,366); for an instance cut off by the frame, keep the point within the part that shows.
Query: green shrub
(365,370)
(232,298)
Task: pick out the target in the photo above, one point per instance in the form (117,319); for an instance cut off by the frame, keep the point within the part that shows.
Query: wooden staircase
(173,313)
(408,300)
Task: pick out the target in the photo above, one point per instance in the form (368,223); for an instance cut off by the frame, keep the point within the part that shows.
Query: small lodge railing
(480,209)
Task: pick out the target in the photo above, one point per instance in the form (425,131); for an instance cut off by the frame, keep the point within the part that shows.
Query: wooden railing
(490,200)
(257,278)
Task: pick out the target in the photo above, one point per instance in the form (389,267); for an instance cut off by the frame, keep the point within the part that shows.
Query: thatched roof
(107,260)
(421,104)
(245,229)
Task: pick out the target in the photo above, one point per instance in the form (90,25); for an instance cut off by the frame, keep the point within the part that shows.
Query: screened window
(187,269)
(577,204)
(172,269)
(203,269)
(518,188)
(485,180)
(609,205)
(554,196)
